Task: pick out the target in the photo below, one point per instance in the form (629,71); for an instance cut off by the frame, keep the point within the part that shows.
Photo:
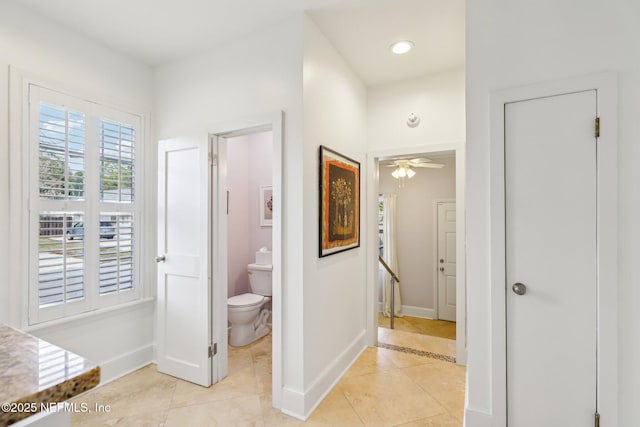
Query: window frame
(91,207)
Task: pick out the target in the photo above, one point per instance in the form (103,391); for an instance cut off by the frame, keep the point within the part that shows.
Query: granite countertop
(35,373)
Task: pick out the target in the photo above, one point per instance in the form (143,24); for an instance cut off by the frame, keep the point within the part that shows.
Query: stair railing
(394,279)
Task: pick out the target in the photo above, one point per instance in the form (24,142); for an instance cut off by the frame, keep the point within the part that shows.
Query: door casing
(607,223)
(239,127)
(373,158)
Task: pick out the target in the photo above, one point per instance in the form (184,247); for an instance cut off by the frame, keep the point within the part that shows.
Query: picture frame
(339,207)
(266,206)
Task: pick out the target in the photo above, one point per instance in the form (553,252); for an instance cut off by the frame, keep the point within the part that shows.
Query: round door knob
(519,289)
(442,269)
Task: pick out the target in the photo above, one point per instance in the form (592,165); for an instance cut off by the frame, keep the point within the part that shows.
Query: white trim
(295,403)
(92,315)
(237,127)
(475,418)
(329,377)
(412,311)
(124,364)
(606,87)
(301,405)
(419,312)
(19,167)
(373,158)
(18,188)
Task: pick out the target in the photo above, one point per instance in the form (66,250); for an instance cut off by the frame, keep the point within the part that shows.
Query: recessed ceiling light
(403,46)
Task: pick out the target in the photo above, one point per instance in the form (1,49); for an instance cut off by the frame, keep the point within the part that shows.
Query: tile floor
(383,388)
(436,328)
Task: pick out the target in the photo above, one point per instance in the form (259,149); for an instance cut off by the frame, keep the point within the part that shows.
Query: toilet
(245,314)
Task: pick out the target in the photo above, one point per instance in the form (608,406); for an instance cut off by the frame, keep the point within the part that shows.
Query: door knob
(442,269)
(441,261)
(519,289)
(161,258)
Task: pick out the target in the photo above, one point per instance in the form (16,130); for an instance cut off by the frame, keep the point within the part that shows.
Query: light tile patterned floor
(382,388)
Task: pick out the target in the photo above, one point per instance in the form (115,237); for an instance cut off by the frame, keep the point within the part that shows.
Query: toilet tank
(260,278)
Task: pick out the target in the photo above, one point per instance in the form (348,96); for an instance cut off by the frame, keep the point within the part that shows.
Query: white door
(550,197)
(184,289)
(446,261)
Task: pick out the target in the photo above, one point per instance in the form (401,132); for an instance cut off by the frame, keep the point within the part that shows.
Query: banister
(394,279)
(386,267)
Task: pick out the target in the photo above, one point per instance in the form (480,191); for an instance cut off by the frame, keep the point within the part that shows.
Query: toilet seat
(245,300)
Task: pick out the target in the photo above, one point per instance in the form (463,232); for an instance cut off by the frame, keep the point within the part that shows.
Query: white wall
(260,147)
(238,218)
(334,286)
(123,339)
(520,43)
(255,75)
(438,99)
(264,73)
(416,229)
(249,167)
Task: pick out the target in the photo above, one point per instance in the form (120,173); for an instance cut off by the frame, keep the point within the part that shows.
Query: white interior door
(550,199)
(184,289)
(446,261)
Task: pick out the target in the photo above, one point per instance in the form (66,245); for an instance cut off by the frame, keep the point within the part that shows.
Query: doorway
(192,219)
(378,162)
(532,296)
(271,124)
(246,190)
(445,289)
(551,259)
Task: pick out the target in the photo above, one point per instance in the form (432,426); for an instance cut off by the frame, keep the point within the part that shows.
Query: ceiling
(364,32)
(161,31)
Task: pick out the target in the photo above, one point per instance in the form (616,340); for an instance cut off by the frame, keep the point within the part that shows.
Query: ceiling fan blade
(429,165)
(418,161)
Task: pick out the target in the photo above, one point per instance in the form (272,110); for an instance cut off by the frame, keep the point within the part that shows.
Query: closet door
(551,259)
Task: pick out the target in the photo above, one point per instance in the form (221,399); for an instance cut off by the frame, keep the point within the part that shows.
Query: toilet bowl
(245,314)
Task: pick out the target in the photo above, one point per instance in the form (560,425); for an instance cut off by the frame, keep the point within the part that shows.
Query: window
(83,210)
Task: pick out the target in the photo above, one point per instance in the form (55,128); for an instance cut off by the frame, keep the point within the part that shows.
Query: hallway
(383,387)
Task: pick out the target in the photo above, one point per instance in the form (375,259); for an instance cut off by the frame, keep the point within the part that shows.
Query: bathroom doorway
(246,158)
(417,182)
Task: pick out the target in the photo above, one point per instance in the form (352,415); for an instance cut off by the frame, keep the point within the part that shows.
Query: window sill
(95,314)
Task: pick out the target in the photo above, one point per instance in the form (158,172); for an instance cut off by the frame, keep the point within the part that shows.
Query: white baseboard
(474,418)
(334,372)
(126,363)
(420,312)
(293,403)
(301,405)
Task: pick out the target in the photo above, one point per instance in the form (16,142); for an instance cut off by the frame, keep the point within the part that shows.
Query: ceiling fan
(403,166)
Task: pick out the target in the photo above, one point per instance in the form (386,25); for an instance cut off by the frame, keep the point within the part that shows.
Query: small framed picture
(339,202)
(266,206)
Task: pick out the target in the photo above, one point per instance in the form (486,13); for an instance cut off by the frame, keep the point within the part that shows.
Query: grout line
(408,350)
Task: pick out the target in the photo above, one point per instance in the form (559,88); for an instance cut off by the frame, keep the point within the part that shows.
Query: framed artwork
(339,202)
(266,206)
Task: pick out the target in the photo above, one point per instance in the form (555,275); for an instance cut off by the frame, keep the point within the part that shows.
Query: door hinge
(213,159)
(597,424)
(597,127)
(213,350)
